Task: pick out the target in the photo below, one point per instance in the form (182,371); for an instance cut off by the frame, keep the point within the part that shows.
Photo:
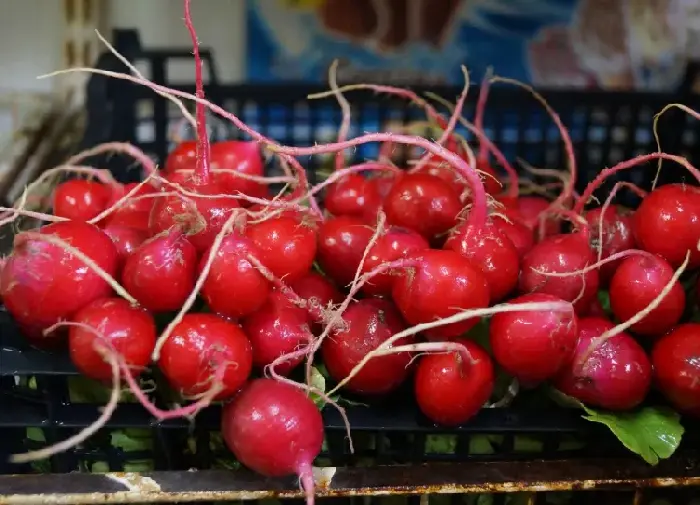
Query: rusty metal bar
(473,477)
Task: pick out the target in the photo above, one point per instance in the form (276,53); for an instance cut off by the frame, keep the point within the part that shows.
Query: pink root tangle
(116,147)
(15,213)
(606,205)
(344,107)
(480,109)
(655,127)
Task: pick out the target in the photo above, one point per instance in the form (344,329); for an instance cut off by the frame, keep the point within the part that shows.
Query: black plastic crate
(605,128)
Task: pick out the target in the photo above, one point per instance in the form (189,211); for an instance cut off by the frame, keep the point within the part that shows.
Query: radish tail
(306,478)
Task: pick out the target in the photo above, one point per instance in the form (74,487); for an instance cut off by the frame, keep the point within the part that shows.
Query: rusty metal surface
(214,485)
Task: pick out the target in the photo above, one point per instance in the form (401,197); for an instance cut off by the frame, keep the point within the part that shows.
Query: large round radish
(198,348)
(128,331)
(522,237)
(319,292)
(276,329)
(424,203)
(561,254)
(676,360)
(394,244)
(234,287)
(492,252)
(617,235)
(667,223)
(243,157)
(616,375)
(286,246)
(275,430)
(183,157)
(342,242)
(449,388)
(444,283)
(533,346)
(80,199)
(353,195)
(368,324)
(125,239)
(637,281)
(160,274)
(41,283)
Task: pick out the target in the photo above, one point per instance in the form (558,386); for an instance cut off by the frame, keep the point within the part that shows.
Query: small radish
(615,375)
(353,195)
(183,157)
(129,331)
(617,236)
(243,157)
(276,329)
(636,282)
(80,199)
(492,183)
(424,203)
(42,283)
(368,324)
(199,345)
(441,170)
(134,213)
(275,430)
(522,237)
(318,291)
(667,223)
(342,242)
(490,251)
(234,287)
(286,246)
(561,254)
(676,359)
(126,240)
(394,244)
(449,388)
(533,346)
(531,209)
(160,274)
(444,283)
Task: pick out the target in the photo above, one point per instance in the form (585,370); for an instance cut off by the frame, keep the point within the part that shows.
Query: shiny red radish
(183,157)
(353,195)
(243,157)
(531,209)
(135,212)
(125,239)
(342,242)
(617,236)
(80,199)
(318,291)
(522,237)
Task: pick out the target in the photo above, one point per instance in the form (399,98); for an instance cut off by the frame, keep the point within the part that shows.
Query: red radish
(342,242)
(41,283)
(394,244)
(676,359)
(492,183)
(276,329)
(637,281)
(667,223)
(243,157)
(617,235)
(533,346)
(561,254)
(443,284)
(286,246)
(522,237)
(616,375)
(595,309)
(275,430)
(318,291)
(198,346)
(126,240)
(129,331)
(353,195)
(80,199)
(442,170)
(449,388)
(234,287)
(134,213)
(368,324)
(424,203)
(161,273)
(531,209)
(183,157)
(490,251)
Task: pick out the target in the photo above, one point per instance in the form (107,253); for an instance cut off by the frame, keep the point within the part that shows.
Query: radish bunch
(382,287)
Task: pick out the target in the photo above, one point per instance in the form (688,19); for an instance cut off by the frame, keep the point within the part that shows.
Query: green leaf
(440,444)
(132,440)
(319,382)
(604,299)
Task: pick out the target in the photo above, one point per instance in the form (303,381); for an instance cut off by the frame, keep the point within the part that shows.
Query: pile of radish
(381,286)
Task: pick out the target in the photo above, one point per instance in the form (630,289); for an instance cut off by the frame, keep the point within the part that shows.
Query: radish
(183,157)
(531,211)
(234,287)
(533,346)
(394,244)
(353,195)
(492,252)
(285,245)
(126,240)
(80,199)
(522,237)
(617,236)
(166,260)
(242,157)
(636,282)
(450,389)
(424,203)
(198,346)
(42,282)
(676,360)
(135,213)
(319,293)
(129,331)
(367,324)
(561,254)
(275,430)
(442,284)
(616,375)
(276,329)
(342,242)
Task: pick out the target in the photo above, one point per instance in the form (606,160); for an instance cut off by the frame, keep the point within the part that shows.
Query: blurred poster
(612,44)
